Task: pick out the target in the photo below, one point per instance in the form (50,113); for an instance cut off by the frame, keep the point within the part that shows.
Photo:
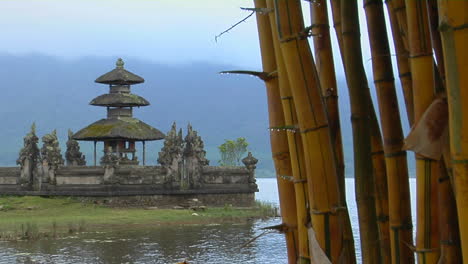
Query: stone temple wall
(183,173)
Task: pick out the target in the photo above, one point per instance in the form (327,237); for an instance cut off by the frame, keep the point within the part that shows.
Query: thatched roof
(119,128)
(119,76)
(119,100)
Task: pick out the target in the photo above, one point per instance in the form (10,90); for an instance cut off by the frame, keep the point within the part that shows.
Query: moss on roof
(119,100)
(119,128)
(119,76)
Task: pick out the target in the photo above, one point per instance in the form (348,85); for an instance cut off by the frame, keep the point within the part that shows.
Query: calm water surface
(224,243)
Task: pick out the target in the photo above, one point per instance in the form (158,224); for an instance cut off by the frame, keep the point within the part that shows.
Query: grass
(32,217)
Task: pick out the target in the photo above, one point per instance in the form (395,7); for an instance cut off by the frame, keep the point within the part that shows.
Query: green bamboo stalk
(360,106)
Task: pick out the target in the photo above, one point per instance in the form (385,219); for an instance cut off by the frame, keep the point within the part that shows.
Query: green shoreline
(33,217)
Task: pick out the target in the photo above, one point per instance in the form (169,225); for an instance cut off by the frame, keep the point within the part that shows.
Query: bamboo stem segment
(360,119)
(427,171)
(397,170)
(313,125)
(453,23)
(279,141)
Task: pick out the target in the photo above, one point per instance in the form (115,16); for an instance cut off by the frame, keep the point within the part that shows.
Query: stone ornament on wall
(51,156)
(170,156)
(29,158)
(73,154)
(183,159)
(250,163)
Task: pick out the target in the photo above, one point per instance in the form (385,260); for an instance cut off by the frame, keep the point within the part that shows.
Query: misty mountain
(55,94)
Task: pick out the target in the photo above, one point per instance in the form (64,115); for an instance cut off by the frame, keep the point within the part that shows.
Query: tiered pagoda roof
(119,124)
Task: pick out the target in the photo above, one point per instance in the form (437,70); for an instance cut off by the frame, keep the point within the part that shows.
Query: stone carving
(29,157)
(194,158)
(250,163)
(51,156)
(73,154)
(171,154)
(110,161)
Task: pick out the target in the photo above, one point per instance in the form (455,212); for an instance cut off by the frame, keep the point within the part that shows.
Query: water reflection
(155,244)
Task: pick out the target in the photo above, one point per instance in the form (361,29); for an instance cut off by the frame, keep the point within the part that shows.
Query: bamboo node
(358,117)
(407,226)
(299,181)
(307,130)
(286,177)
(448,242)
(315,2)
(377,152)
(403,75)
(383,218)
(425,250)
(286,98)
(395,154)
(284,128)
(459,161)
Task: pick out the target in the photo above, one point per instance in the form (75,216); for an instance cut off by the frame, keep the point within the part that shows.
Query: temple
(183,172)
(120,130)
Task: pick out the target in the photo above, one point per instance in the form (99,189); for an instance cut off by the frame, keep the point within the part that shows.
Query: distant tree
(232,151)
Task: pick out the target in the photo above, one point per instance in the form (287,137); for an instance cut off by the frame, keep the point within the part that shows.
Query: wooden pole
(95,164)
(144,152)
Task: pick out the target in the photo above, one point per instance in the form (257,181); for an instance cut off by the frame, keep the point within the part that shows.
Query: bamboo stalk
(427,171)
(436,40)
(279,140)
(326,72)
(360,118)
(402,54)
(294,139)
(397,169)
(450,251)
(454,31)
(319,158)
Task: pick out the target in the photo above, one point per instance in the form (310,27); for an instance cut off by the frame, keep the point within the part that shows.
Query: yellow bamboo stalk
(360,119)
(326,72)
(433,17)
(450,250)
(295,142)
(279,141)
(427,171)
(397,169)
(402,54)
(313,126)
(454,31)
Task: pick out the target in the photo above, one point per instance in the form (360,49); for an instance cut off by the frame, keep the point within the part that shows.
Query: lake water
(221,243)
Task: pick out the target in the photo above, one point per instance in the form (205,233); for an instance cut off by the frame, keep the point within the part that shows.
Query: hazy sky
(163,31)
